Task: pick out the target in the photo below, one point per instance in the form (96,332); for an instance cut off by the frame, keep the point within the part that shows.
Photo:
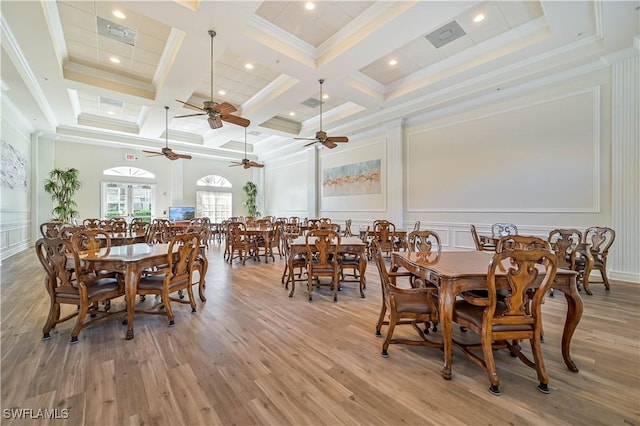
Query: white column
(42,158)
(395,173)
(624,262)
(313,183)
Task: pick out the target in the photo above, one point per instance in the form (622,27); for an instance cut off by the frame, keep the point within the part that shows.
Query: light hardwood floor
(252,355)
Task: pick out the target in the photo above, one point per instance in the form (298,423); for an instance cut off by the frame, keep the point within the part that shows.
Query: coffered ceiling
(104,70)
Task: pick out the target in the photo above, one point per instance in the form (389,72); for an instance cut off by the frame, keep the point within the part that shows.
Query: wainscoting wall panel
(540,156)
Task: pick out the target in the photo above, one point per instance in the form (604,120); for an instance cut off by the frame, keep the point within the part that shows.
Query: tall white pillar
(395,173)
(624,262)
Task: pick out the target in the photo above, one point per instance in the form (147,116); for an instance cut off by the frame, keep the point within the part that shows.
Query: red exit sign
(130,157)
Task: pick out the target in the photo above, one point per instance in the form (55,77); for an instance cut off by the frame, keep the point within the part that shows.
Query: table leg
(203,273)
(362,267)
(574,314)
(446,322)
(130,287)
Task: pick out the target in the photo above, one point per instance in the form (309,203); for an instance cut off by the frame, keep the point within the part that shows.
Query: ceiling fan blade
(224,108)
(191,105)
(185,156)
(329,144)
(214,121)
(153,152)
(337,139)
(189,115)
(235,164)
(310,143)
(305,139)
(234,119)
(254,164)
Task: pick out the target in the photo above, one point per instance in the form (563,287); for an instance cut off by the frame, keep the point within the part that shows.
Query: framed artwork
(14,168)
(352,179)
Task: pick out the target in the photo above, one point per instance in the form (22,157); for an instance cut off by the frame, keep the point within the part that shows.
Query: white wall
(175,180)
(538,155)
(15,190)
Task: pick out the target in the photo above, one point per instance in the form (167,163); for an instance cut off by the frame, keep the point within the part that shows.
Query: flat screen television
(181,213)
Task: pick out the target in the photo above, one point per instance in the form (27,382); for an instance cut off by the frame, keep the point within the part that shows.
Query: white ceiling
(56,66)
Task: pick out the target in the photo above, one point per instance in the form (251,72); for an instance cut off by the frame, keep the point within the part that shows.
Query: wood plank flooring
(251,355)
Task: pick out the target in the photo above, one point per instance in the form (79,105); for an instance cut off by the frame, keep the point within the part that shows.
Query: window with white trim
(215,202)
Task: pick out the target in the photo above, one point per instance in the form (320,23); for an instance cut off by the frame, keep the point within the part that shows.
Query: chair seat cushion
(415,302)
(473,314)
(102,286)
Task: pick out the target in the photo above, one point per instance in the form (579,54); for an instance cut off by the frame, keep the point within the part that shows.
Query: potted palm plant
(62,185)
(251,191)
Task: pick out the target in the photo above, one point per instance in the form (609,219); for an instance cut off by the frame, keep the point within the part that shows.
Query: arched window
(214,202)
(214,180)
(128,172)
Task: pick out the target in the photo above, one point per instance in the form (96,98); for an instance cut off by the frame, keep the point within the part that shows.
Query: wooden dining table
(347,245)
(130,260)
(456,271)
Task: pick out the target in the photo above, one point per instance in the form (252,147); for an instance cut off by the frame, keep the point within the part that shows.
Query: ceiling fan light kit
(217,112)
(321,136)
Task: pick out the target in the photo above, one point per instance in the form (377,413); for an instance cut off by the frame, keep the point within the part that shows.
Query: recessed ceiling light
(110,112)
(310,5)
(114,60)
(393,62)
(325,96)
(248,66)
(119,14)
(292,113)
(221,92)
(478,18)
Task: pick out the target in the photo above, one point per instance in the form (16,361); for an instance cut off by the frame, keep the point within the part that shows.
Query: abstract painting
(352,179)
(14,168)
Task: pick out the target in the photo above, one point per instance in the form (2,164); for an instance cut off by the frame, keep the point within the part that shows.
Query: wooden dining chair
(298,263)
(522,242)
(424,241)
(117,225)
(201,263)
(94,223)
(503,229)
(83,288)
(598,240)
(565,243)
(481,245)
(323,259)
(347,229)
(177,275)
(404,306)
(138,226)
(383,233)
(504,323)
(239,242)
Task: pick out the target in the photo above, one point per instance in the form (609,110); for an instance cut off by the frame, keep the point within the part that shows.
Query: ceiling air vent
(445,34)
(116,31)
(312,103)
(111,102)
(254,133)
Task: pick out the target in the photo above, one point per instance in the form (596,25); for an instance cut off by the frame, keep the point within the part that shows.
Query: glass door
(128,200)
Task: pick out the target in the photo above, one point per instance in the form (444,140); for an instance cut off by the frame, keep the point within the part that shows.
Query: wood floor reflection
(252,355)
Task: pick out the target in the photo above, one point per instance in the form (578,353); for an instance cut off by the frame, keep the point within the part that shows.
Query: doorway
(128,200)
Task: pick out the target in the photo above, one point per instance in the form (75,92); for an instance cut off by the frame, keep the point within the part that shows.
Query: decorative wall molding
(496,173)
